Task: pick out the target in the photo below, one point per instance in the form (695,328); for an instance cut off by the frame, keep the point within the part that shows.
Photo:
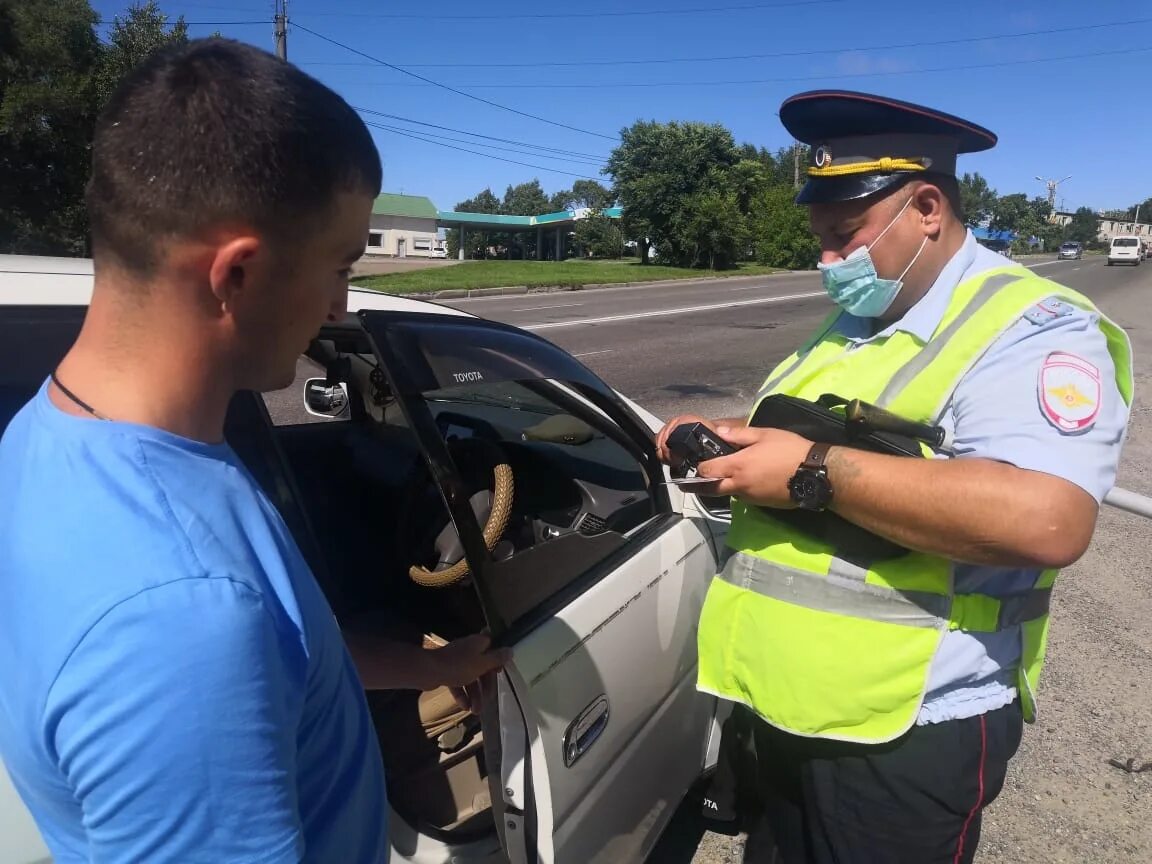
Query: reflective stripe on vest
(974,612)
(826,647)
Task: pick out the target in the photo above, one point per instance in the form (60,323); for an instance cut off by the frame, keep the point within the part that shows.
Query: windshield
(504,394)
(1069,246)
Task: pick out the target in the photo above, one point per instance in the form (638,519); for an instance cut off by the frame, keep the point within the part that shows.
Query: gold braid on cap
(884,164)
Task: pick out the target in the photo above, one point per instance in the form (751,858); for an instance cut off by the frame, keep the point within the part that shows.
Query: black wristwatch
(810,487)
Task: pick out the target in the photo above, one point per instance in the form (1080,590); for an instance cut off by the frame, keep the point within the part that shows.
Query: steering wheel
(474,457)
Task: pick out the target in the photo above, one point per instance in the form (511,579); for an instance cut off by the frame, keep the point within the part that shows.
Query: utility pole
(281,31)
(795,164)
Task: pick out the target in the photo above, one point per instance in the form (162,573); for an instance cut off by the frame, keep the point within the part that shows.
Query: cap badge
(823,156)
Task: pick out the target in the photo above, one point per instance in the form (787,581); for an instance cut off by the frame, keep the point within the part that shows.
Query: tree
(584,193)
(747,179)
(790,162)
(1010,212)
(780,233)
(1084,227)
(600,236)
(978,199)
(485,202)
(662,170)
(525,199)
(1143,210)
(143,30)
(716,230)
(54,77)
(48,57)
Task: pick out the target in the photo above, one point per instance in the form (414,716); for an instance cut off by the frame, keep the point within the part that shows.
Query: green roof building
(405,226)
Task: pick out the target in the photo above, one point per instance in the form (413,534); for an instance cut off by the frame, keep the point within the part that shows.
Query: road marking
(553,306)
(631,316)
(1045,264)
(592,353)
(1075,268)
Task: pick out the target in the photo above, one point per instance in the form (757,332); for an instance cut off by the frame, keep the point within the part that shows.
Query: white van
(1125,248)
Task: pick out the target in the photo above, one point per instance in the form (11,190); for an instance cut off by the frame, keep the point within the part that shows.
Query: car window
(1125,241)
(578,497)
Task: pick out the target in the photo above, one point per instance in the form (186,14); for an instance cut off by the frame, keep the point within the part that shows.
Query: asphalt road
(706,347)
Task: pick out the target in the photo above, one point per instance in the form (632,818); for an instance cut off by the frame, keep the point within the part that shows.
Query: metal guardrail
(1129,501)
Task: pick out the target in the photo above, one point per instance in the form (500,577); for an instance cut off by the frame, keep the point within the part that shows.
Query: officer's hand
(757,474)
(669,427)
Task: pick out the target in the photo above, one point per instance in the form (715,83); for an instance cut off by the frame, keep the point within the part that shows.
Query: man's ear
(930,203)
(238,266)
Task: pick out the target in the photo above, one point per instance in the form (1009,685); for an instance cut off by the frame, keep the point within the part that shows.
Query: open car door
(595,579)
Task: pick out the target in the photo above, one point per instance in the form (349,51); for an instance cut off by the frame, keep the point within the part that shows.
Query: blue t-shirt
(173,683)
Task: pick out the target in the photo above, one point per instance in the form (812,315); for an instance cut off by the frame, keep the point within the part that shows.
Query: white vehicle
(593,735)
(1126,249)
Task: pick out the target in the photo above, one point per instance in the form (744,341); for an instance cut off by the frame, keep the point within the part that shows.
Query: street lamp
(1052,184)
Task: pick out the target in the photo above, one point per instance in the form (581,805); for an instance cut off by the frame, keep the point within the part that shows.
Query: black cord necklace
(76,398)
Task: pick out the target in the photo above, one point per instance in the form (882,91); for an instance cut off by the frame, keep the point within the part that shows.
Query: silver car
(562,533)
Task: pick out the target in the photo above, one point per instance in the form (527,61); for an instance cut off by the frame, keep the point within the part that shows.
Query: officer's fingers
(741,436)
(679,420)
(669,427)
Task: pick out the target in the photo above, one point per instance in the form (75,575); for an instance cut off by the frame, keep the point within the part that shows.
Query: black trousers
(916,800)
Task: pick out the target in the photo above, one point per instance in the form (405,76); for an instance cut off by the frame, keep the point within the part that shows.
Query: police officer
(887,693)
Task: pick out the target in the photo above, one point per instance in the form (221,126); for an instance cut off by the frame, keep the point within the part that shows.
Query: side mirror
(325,400)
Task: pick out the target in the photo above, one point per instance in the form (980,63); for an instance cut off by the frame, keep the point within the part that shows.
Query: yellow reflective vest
(824,646)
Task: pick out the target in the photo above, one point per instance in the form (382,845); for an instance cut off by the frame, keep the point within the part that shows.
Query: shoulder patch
(1068,389)
(1048,310)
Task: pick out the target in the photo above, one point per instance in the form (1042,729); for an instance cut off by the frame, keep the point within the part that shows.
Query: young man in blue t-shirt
(173,683)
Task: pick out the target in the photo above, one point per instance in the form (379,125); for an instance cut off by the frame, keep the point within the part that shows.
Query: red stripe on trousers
(980,795)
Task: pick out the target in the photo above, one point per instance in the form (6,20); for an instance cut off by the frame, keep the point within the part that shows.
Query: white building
(1109,227)
(405,226)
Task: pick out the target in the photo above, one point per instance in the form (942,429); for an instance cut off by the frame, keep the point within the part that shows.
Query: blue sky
(1088,115)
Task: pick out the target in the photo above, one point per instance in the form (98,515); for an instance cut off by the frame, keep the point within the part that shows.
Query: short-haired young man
(173,683)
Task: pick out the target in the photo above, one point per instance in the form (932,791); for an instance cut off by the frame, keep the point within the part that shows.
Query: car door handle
(584,731)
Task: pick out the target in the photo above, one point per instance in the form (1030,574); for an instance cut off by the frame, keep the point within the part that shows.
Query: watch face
(809,489)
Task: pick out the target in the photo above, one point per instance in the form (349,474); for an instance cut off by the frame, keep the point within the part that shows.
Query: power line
(478,153)
(433,139)
(454,90)
(775,55)
(752,7)
(263,21)
(480,135)
(793,80)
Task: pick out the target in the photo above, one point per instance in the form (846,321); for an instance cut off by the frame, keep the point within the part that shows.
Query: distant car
(1125,249)
(388,471)
(1003,247)
(1071,250)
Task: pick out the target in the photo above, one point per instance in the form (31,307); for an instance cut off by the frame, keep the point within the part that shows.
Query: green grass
(539,274)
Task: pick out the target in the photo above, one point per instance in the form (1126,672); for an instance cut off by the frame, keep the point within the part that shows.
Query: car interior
(556,496)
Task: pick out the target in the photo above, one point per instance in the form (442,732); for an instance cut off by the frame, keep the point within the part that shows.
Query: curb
(469,293)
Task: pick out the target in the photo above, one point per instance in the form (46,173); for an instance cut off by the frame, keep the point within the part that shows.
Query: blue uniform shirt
(173,683)
(997,412)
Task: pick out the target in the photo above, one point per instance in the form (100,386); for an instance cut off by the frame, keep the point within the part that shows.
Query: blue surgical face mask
(854,284)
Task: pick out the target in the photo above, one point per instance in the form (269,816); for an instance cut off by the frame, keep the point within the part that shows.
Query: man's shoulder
(92,514)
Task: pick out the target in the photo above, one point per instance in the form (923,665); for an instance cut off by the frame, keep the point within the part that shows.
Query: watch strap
(816,456)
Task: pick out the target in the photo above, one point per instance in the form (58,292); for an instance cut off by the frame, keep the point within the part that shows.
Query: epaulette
(1047,310)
